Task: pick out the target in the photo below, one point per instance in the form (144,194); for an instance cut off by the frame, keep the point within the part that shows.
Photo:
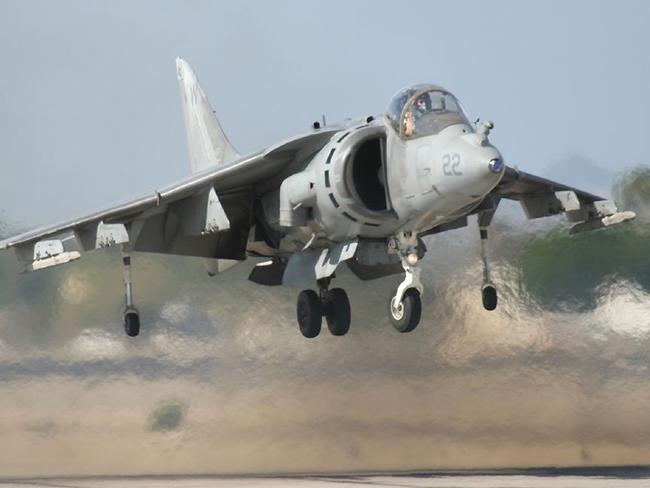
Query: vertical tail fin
(207,143)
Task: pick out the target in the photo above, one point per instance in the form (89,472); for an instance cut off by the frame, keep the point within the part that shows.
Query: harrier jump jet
(363,193)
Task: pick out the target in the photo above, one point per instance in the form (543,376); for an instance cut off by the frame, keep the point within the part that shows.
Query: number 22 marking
(450,165)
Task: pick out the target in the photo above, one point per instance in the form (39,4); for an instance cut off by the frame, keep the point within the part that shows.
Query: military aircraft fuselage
(379,177)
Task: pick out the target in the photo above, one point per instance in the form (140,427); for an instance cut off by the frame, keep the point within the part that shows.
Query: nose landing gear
(405,316)
(333,304)
(405,306)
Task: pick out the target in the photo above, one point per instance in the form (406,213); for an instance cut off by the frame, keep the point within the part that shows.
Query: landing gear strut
(488,290)
(333,304)
(131,315)
(405,306)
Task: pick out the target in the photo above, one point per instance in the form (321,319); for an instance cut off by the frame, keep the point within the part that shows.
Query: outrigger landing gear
(405,306)
(333,304)
(131,315)
(488,290)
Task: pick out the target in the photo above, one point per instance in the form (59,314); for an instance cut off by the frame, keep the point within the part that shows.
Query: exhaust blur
(221,381)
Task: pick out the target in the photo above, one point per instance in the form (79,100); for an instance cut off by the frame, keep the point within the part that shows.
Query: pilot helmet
(422,103)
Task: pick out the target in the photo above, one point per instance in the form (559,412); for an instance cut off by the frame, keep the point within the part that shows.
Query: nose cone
(480,162)
(483,164)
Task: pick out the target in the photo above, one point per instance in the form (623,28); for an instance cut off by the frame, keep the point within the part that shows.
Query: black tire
(490,299)
(407,316)
(309,312)
(131,323)
(337,311)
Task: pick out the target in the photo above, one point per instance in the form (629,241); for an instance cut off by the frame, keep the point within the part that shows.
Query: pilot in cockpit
(423,110)
(421,106)
(409,124)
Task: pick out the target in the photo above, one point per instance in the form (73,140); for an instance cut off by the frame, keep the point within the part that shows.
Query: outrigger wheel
(405,316)
(131,315)
(489,293)
(131,322)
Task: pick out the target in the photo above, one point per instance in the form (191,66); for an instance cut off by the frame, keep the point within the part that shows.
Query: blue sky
(90,113)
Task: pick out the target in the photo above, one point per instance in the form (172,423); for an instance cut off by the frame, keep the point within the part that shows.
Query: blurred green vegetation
(567,272)
(564,272)
(168,416)
(632,191)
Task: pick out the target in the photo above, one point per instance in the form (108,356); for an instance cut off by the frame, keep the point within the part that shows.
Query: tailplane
(206,141)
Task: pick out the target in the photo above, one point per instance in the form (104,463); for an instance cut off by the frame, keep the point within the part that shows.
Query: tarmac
(606,479)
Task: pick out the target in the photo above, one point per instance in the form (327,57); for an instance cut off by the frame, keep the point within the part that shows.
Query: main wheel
(337,311)
(406,315)
(489,293)
(310,314)
(131,323)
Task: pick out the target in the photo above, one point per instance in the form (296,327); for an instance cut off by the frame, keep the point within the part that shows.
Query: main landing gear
(333,304)
(488,290)
(131,315)
(405,306)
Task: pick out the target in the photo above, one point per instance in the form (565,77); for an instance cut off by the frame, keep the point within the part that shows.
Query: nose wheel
(332,304)
(405,306)
(405,315)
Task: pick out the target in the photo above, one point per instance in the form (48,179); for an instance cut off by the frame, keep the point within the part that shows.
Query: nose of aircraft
(482,164)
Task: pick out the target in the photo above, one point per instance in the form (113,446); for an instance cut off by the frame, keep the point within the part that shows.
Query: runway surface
(540,479)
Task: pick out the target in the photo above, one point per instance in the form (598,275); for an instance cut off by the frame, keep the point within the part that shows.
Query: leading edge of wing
(516,183)
(130,208)
(243,171)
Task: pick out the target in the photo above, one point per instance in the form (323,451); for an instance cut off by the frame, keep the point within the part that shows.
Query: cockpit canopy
(423,110)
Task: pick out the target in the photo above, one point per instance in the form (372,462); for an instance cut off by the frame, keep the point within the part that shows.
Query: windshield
(423,110)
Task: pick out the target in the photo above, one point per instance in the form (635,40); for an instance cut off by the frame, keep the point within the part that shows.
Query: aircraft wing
(207,215)
(540,197)
(516,185)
